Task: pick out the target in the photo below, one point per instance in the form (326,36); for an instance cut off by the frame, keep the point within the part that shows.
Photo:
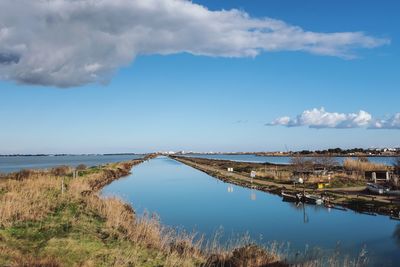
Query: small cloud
(320,118)
(392,122)
(241,121)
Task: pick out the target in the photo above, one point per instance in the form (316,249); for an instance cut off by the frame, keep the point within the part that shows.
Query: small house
(378,175)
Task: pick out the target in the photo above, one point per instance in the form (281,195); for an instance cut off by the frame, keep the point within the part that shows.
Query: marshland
(106,216)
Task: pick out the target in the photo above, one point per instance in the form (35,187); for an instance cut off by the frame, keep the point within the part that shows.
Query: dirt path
(232,175)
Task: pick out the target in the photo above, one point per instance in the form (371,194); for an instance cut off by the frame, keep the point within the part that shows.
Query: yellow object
(321,185)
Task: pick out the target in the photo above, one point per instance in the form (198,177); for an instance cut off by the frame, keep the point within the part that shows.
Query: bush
(61,170)
(23,174)
(81,167)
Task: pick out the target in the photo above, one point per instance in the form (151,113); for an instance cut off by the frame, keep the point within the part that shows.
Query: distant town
(337,152)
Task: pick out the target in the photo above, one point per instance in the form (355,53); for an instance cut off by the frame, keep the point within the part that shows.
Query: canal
(186,198)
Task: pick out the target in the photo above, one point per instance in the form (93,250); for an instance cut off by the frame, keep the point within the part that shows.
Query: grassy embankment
(345,190)
(43,225)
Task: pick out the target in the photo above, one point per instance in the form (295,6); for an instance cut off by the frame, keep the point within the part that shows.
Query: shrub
(61,170)
(81,167)
(23,174)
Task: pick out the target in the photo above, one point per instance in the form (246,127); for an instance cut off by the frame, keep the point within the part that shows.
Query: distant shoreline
(258,154)
(63,155)
(296,154)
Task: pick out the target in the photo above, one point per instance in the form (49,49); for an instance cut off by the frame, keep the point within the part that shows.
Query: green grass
(89,171)
(2,191)
(342,182)
(72,234)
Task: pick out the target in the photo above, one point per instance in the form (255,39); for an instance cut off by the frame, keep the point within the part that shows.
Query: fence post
(62,186)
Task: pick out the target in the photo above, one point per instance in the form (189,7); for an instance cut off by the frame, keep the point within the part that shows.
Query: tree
(327,161)
(335,150)
(301,163)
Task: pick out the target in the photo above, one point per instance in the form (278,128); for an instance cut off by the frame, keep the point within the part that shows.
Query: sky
(134,76)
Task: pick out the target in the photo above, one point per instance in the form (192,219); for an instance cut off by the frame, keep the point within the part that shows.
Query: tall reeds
(81,228)
(362,165)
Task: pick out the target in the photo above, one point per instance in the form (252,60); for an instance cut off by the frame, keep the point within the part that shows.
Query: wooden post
(62,186)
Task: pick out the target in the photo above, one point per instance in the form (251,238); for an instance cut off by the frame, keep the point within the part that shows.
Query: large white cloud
(73,42)
(320,118)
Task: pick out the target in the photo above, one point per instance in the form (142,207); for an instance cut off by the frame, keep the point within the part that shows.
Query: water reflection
(230,189)
(185,197)
(396,234)
(253,195)
(305,216)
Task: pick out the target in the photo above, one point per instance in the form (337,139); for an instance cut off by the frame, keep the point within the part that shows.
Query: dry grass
(29,199)
(362,166)
(317,258)
(36,218)
(41,226)
(247,256)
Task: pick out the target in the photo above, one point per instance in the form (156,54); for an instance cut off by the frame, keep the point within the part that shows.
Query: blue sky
(212,103)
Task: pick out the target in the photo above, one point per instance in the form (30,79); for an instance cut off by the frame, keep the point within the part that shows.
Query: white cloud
(73,42)
(320,118)
(392,122)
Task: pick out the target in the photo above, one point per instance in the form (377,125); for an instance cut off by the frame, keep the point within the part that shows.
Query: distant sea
(15,163)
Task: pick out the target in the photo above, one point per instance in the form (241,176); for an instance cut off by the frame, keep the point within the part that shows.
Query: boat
(290,197)
(393,192)
(395,218)
(377,189)
(334,207)
(312,199)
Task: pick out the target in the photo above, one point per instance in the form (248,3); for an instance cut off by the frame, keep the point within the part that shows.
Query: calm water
(12,164)
(277,160)
(185,197)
